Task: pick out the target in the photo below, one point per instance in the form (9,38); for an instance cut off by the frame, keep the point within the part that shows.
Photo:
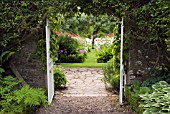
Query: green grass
(82,65)
(91,61)
(91,57)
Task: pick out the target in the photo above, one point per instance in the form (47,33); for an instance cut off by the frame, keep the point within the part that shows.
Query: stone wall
(28,65)
(142,58)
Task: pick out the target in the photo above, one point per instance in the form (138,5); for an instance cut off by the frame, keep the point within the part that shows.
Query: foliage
(85,24)
(145,19)
(158,100)
(105,55)
(110,76)
(1,71)
(74,58)
(109,51)
(132,95)
(132,100)
(21,20)
(70,51)
(157,12)
(116,55)
(140,94)
(99,7)
(67,43)
(59,78)
(16,19)
(150,81)
(137,89)
(41,52)
(108,71)
(112,67)
(5,56)
(16,100)
(150,23)
(115,81)
(7,84)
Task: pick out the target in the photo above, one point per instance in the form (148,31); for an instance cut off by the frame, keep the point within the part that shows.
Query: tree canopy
(85,25)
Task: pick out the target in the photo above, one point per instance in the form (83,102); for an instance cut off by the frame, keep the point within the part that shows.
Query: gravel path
(85,94)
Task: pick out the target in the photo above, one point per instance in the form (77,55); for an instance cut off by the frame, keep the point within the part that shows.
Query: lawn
(91,61)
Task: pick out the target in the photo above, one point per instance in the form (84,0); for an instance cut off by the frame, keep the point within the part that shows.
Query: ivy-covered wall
(28,64)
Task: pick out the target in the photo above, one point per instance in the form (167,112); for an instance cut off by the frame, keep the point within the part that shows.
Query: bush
(112,67)
(74,58)
(108,71)
(115,81)
(105,55)
(14,100)
(70,51)
(110,75)
(59,78)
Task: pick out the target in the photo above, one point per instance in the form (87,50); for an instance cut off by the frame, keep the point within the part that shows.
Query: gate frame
(122,72)
(50,72)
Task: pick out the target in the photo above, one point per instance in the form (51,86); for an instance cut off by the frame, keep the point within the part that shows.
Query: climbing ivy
(150,24)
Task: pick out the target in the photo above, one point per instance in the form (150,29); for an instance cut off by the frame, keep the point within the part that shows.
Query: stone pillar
(142,58)
(28,65)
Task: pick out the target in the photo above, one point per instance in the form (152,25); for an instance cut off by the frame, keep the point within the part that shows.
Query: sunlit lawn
(91,61)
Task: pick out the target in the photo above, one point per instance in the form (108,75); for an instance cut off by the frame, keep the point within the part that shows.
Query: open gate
(50,74)
(122,72)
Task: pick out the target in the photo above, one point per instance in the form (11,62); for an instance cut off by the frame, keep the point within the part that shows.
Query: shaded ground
(86,105)
(86,94)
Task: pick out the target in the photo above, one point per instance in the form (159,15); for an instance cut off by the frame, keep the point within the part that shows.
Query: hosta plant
(157,102)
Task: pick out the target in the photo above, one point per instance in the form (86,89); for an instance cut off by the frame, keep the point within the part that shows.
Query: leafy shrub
(67,43)
(115,81)
(73,58)
(112,67)
(111,51)
(81,57)
(110,75)
(105,55)
(59,78)
(70,51)
(108,71)
(18,101)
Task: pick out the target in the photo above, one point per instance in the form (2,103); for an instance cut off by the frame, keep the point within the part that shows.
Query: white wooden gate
(122,72)
(50,74)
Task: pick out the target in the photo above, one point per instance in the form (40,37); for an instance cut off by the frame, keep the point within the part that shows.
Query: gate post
(121,67)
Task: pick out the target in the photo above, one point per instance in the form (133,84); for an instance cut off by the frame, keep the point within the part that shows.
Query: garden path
(85,94)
